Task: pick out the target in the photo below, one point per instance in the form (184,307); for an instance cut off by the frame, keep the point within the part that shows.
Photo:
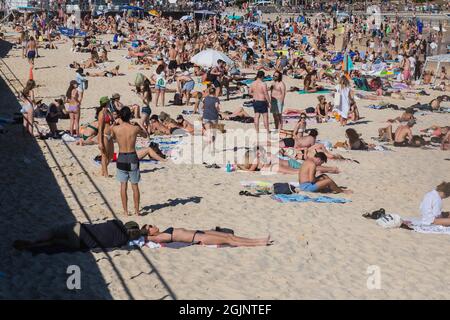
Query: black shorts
(401,144)
(216,83)
(289,142)
(172,64)
(260,106)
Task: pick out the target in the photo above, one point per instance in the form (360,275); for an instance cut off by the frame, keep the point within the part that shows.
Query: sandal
(248,194)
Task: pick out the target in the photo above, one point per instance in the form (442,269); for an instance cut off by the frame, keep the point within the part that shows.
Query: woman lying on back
(201,237)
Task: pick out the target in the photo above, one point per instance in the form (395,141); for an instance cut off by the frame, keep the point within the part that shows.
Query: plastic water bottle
(228,167)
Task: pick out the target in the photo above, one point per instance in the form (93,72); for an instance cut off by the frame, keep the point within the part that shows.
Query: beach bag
(337,100)
(390,221)
(139,80)
(310,110)
(282,188)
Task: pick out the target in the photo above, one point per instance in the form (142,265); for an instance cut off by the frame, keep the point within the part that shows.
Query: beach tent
(257,25)
(209,57)
(439,60)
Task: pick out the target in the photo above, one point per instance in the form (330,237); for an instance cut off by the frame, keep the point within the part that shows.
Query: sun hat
(104,100)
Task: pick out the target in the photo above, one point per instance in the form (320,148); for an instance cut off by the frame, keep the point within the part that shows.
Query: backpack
(177,99)
(282,188)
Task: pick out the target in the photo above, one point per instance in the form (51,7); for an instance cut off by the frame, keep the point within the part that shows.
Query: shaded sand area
(321,251)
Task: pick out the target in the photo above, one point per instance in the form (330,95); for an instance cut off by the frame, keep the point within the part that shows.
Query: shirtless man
(32,51)
(403,135)
(172,60)
(278,94)
(308,180)
(385,134)
(127,161)
(261,100)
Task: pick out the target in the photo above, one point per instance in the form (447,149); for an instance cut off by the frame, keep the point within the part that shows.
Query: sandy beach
(321,251)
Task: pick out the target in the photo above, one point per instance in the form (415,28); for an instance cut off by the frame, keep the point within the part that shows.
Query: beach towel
(171,245)
(284,198)
(69,32)
(250,81)
(418,226)
(318,91)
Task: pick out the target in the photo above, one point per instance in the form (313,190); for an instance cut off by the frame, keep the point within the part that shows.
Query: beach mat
(319,91)
(285,198)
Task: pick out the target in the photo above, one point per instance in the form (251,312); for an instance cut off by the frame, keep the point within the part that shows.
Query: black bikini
(170,231)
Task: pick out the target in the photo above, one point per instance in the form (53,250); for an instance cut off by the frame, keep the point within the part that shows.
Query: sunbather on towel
(88,134)
(431,206)
(300,142)
(259,160)
(205,237)
(312,183)
(114,72)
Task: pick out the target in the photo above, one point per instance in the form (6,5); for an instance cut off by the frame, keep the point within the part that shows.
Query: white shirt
(412,62)
(431,207)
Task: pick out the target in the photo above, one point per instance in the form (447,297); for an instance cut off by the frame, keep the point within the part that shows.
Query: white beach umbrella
(209,57)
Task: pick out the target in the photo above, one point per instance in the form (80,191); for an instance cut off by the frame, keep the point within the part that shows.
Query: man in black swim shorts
(261,100)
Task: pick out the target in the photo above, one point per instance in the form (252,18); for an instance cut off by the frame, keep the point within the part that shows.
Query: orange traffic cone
(31,74)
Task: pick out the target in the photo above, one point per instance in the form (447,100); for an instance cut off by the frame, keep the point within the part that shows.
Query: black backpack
(177,99)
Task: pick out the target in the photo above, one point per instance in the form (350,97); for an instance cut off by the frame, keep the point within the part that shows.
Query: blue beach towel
(318,91)
(284,198)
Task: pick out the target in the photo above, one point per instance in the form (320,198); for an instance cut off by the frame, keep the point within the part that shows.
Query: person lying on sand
(239,112)
(385,133)
(205,237)
(114,72)
(83,236)
(261,161)
(184,124)
(306,153)
(431,206)
(88,134)
(300,142)
(312,183)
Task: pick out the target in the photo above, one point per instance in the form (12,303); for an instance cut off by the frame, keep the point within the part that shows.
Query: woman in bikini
(28,103)
(73,107)
(105,73)
(105,142)
(355,142)
(261,161)
(146,95)
(205,237)
(88,133)
(322,109)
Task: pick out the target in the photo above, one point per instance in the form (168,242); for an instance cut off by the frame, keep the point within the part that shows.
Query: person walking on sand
(261,100)
(32,51)
(127,161)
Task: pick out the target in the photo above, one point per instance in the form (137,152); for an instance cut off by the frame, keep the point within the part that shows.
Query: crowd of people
(303,49)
